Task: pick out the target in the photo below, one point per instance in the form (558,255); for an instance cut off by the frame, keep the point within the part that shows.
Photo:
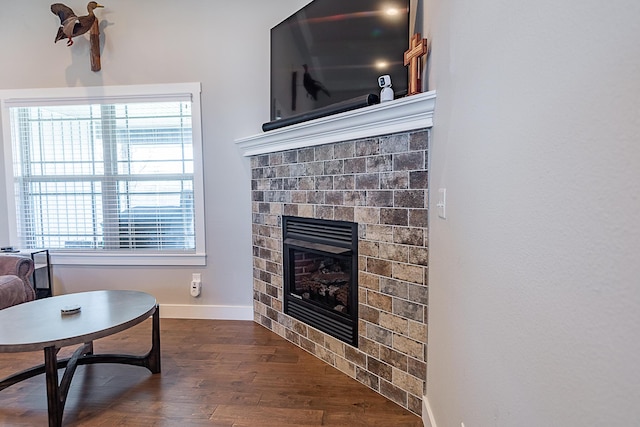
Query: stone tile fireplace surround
(381,183)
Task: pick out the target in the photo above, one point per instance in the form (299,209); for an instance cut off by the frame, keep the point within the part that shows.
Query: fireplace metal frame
(337,239)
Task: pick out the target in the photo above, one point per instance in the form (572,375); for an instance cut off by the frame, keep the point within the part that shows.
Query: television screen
(332,51)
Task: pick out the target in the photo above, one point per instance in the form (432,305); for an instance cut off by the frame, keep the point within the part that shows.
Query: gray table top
(38,324)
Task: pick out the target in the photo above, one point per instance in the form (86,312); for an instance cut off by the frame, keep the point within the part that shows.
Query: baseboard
(213,312)
(427,414)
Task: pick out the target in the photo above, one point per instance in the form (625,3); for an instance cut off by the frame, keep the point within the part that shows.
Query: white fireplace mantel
(400,115)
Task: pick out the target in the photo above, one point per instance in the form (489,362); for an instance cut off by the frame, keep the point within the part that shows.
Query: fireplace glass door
(322,279)
(320,275)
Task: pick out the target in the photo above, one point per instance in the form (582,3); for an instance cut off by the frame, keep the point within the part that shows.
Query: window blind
(104,176)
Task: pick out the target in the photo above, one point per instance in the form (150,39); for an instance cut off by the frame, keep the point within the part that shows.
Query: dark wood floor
(214,373)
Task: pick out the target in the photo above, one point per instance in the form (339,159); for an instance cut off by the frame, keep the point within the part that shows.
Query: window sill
(133,259)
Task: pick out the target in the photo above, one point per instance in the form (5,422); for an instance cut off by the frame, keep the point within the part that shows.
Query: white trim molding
(408,113)
(427,414)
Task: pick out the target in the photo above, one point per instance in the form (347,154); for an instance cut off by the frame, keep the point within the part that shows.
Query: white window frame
(112,94)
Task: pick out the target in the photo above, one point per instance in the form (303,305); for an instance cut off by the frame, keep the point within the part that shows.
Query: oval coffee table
(40,325)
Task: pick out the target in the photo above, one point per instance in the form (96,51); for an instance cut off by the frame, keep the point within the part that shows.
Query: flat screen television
(331,52)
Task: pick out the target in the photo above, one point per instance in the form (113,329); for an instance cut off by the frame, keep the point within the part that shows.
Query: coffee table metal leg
(154,354)
(57,391)
(53,390)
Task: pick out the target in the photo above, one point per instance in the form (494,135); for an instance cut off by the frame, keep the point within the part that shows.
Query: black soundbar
(340,107)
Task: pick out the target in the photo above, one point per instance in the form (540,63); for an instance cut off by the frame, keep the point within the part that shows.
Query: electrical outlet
(196,288)
(196,285)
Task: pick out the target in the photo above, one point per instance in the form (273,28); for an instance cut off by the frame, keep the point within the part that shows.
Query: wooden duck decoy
(72,25)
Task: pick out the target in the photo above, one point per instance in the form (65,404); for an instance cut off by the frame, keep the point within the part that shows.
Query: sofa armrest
(17,266)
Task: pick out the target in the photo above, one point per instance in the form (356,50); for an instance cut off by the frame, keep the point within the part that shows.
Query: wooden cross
(417,48)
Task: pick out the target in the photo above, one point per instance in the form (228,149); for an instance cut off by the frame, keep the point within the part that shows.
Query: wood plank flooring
(214,373)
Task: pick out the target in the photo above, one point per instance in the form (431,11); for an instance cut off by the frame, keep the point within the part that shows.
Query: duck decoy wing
(60,35)
(63,12)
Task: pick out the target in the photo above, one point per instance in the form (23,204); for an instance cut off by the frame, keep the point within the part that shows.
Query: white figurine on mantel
(386,94)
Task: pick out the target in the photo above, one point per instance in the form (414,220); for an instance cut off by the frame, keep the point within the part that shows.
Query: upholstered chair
(15,286)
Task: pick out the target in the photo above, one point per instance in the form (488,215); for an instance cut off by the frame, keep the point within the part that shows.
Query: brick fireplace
(380,183)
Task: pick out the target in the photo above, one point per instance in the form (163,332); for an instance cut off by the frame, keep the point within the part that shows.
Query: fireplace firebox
(320,261)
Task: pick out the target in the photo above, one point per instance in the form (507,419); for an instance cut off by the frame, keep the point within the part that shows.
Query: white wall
(535,276)
(224,45)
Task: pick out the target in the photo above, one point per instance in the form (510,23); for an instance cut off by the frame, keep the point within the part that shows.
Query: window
(106,175)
